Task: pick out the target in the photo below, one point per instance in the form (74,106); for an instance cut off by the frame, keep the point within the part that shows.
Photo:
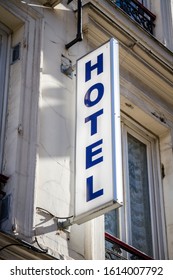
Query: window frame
(155,187)
(150,143)
(4,60)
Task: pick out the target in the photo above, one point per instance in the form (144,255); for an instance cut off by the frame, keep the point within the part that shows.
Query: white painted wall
(55,163)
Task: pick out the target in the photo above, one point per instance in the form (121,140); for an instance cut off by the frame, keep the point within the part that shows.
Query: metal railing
(3,181)
(119,250)
(137,12)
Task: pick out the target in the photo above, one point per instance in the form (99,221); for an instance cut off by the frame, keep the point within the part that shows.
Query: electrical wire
(46,211)
(43,250)
(9,245)
(24,245)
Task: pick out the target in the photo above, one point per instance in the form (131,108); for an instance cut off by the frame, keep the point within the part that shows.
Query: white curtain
(139,196)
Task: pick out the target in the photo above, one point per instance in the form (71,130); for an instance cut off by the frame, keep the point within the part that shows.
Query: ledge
(50,3)
(12,248)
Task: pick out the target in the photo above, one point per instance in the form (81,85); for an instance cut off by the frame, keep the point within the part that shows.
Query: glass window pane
(112,227)
(141,234)
(112,223)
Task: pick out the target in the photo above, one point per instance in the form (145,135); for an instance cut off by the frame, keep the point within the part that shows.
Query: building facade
(40,42)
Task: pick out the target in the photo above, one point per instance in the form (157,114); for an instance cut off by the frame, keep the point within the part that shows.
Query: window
(139,11)
(3,57)
(139,222)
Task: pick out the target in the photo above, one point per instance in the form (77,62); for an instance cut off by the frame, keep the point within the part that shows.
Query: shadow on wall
(55,192)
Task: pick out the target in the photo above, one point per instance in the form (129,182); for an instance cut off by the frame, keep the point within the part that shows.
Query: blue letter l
(90,194)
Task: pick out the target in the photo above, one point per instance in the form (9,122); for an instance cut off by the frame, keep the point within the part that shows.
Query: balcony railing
(119,250)
(137,12)
(3,179)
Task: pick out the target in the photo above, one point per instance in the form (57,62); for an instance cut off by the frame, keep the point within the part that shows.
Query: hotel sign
(98,165)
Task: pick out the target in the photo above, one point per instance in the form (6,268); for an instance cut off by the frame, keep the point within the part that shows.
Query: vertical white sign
(98,168)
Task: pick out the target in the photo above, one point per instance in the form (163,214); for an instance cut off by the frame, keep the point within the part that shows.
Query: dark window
(138,11)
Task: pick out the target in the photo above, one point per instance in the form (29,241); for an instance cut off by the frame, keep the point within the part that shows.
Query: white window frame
(166,16)
(4,62)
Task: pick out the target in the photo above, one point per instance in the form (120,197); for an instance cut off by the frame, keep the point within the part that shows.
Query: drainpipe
(79,36)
